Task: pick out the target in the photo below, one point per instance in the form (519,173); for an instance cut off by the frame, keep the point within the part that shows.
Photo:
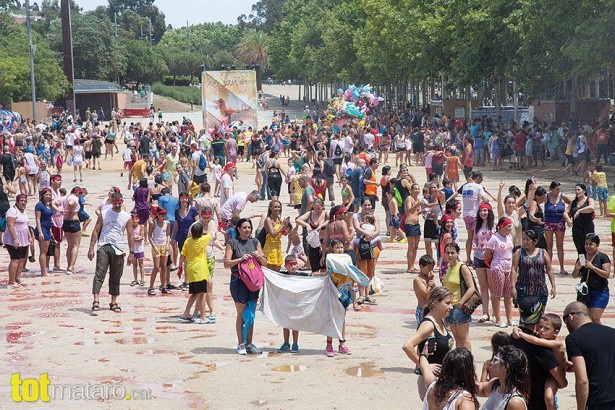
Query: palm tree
(252,50)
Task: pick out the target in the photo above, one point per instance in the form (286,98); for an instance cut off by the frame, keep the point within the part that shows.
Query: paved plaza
(48,327)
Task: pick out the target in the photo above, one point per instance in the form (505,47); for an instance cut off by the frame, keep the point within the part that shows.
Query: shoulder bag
(475,300)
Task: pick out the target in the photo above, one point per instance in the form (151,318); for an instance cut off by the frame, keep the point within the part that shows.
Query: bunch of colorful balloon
(354,102)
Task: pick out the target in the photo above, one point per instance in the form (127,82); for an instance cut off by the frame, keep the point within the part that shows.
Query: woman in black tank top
(274,176)
(438,306)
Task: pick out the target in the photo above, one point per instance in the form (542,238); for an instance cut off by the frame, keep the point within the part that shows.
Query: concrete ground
(147,352)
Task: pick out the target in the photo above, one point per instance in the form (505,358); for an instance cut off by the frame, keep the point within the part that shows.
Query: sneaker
(343,349)
(295,348)
(403,240)
(165,291)
(84,234)
(253,349)
(329,351)
(184,286)
(211,316)
(284,348)
(241,349)
(171,287)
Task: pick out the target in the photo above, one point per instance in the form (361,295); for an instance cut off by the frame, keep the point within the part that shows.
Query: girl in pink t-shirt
(498,257)
(482,234)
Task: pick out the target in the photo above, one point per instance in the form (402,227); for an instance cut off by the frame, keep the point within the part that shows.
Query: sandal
(115,307)
(134,283)
(484,319)
(141,283)
(370,301)
(95,307)
(360,300)
(151,292)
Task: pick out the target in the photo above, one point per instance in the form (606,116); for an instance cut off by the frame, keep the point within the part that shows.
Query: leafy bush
(180,93)
(179,81)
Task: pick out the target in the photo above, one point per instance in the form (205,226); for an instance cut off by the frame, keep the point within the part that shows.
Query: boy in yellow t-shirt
(197,272)
(598,178)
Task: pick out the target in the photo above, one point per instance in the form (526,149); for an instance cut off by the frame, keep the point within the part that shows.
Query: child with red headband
(498,257)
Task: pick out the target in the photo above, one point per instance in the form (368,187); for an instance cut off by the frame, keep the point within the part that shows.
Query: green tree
(265,15)
(148,13)
(146,65)
(15,69)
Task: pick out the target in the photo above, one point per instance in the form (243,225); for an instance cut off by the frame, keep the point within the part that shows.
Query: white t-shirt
(348,144)
(112,231)
(235,203)
(225,182)
(196,158)
(471,194)
(127,155)
(31,163)
(368,139)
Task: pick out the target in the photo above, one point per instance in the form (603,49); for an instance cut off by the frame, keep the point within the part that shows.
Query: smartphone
(431,344)
(582,260)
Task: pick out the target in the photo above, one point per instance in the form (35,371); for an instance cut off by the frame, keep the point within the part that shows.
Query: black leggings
(274,182)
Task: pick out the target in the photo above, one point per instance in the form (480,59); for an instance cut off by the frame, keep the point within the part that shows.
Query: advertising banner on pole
(229,98)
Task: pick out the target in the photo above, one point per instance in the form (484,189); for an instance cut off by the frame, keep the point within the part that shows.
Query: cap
(229,166)
(530,310)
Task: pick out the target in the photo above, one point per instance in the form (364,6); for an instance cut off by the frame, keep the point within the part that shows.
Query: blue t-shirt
(46,214)
(355,179)
(170,204)
(474,130)
(184,224)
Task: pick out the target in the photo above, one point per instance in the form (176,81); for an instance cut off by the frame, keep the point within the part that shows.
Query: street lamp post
(31,51)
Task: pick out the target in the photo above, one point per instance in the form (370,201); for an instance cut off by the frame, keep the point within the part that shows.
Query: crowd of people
(332,180)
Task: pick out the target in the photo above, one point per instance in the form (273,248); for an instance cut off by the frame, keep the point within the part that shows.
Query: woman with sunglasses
(530,266)
(238,250)
(595,273)
(16,239)
(510,383)
(556,220)
(581,211)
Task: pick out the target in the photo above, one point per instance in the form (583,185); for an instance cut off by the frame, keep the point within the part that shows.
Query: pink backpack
(251,273)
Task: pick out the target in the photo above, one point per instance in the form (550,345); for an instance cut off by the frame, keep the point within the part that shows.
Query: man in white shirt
(349,143)
(472,195)
(226,182)
(198,175)
(368,140)
(108,234)
(234,205)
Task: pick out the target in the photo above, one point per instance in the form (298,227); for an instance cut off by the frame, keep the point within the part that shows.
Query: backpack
(363,178)
(338,150)
(348,172)
(262,236)
(397,196)
(365,249)
(262,160)
(329,169)
(251,274)
(202,162)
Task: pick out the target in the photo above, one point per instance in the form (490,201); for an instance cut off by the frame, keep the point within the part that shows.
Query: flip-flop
(484,319)
(186,319)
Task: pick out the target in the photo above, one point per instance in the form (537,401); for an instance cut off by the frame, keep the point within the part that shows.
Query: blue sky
(195,11)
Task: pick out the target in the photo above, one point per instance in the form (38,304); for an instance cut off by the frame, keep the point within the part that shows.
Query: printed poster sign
(229,97)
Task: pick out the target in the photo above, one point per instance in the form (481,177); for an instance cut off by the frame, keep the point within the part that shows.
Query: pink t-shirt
(21,228)
(481,239)
(502,247)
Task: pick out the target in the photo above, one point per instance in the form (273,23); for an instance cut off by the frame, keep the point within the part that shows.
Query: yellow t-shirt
(452,281)
(599,179)
(297,190)
(196,258)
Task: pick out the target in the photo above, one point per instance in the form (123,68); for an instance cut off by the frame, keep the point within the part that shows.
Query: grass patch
(179,93)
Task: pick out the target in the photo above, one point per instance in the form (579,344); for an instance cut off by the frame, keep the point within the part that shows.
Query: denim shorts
(458,317)
(412,230)
(418,314)
(479,263)
(599,299)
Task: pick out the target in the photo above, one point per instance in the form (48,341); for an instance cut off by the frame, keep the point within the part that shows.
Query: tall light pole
(31,49)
